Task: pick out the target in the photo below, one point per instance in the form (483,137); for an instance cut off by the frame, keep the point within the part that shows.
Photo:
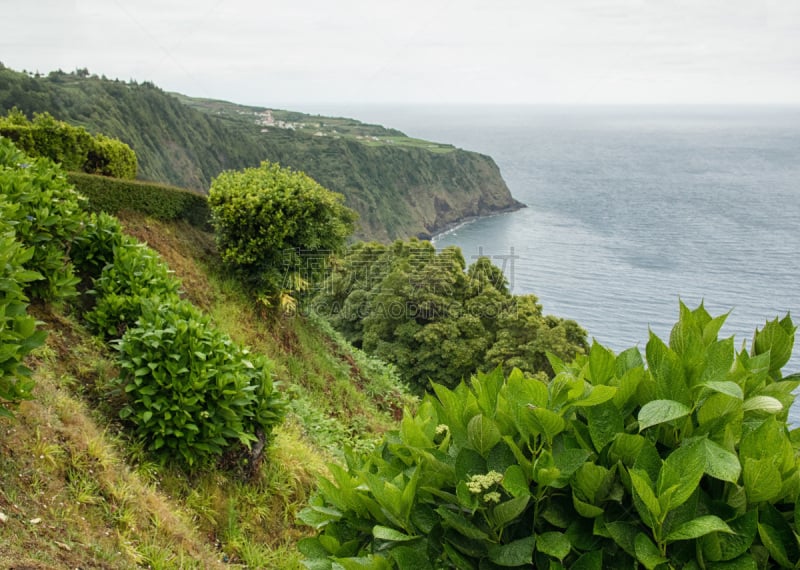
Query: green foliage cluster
(681,459)
(419,310)
(263,216)
(192,391)
(18,334)
(94,247)
(48,217)
(134,275)
(167,203)
(44,227)
(72,147)
(40,219)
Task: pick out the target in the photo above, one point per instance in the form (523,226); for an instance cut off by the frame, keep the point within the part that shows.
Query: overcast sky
(269,52)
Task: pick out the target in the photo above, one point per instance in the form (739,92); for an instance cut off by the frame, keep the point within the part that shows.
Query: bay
(631,209)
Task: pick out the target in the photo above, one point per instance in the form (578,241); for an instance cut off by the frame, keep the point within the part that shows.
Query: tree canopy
(437,320)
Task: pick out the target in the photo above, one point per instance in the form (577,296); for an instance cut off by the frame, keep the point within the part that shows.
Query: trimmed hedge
(112,195)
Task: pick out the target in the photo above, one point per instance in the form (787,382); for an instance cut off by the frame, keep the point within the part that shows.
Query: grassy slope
(77,492)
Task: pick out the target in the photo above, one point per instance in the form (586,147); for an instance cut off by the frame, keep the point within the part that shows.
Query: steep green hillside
(399,186)
(76,490)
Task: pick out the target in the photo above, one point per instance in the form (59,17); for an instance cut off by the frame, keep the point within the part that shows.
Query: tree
(277,227)
(525,336)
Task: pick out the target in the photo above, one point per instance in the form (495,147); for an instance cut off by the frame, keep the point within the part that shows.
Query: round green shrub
(193,393)
(94,247)
(135,275)
(260,214)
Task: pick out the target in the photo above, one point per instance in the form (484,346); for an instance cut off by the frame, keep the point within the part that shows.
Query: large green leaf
(762,481)
(718,361)
(411,557)
(763,404)
(777,338)
(505,512)
(568,460)
(728,387)
(528,391)
(659,411)
(591,482)
(390,534)
(461,524)
(595,395)
(483,434)
(644,490)
(698,527)
(589,561)
(486,388)
(602,364)
(517,553)
(515,482)
(585,509)
(627,386)
(777,536)
(721,463)
(667,370)
(744,562)
(547,422)
(555,544)
(364,563)
(680,475)
(468,463)
(647,552)
(624,534)
(626,448)
(723,546)
(605,423)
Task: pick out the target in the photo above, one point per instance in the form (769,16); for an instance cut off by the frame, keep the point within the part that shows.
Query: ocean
(631,209)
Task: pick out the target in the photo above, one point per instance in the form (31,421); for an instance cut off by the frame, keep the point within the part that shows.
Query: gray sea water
(632,209)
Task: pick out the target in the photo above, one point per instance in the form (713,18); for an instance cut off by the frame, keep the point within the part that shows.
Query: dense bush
(135,275)
(262,215)
(419,310)
(48,217)
(684,461)
(18,334)
(94,246)
(72,147)
(168,203)
(192,391)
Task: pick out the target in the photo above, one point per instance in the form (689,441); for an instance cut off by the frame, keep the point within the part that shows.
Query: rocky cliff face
(400,191)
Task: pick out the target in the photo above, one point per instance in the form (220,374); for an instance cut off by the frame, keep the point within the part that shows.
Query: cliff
(400,186)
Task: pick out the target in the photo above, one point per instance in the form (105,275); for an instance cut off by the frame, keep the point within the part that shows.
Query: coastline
(453,226)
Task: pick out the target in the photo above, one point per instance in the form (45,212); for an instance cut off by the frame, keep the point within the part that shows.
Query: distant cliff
(400,186)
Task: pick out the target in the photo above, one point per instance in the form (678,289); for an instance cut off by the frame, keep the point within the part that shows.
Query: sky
(300,52)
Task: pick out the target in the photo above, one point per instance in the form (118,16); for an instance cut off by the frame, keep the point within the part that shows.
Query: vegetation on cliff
(400,187)
(437,320)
